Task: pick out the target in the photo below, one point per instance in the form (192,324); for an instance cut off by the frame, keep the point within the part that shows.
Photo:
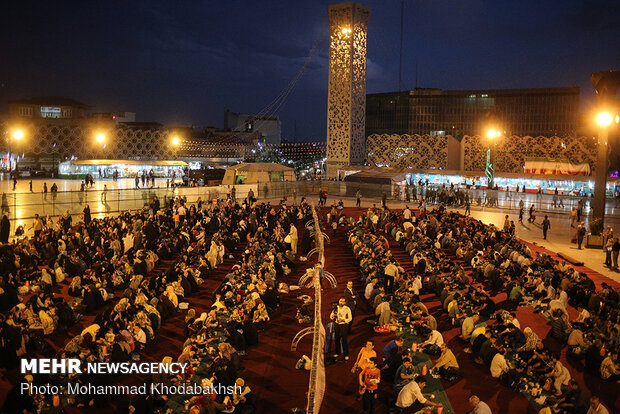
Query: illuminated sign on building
(50,112)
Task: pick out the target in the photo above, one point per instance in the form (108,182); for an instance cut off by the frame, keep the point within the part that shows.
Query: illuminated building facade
(526,112)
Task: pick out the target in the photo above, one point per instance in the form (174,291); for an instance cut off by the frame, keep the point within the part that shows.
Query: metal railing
(316,385)
(23,206)
(510,200)
(312,278)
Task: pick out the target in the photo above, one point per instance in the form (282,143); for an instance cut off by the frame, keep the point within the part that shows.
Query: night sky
(185,62)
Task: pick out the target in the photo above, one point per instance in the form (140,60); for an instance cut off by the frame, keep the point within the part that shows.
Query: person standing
(546,225)
(607,234)
(407,214)
(341,315)
(351,299)
(155,205)
(5,204)
(369,382)
(615,250)
(14,180)
(608,250)
(581,233)
(5,229)
(37,225)
(86,212)
(45,191)
(294,238)
(358,198)
(30,183)
(579,210)
(104,194)
(384,200)
(506,224)
(573,216)
(361,363)
(391,274)
(467,206)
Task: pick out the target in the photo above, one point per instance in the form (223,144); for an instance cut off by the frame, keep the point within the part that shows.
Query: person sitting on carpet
(433,344)
(411,399)
(446,365)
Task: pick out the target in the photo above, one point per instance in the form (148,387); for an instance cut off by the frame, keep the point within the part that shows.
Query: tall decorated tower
(346,101)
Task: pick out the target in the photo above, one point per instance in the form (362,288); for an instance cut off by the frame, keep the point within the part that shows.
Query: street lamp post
(603,121)
(100,138)
(606,84)
(175,142)
(492,135)
(18,134)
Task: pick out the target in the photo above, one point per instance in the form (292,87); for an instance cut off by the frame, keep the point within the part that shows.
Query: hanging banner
(551,166)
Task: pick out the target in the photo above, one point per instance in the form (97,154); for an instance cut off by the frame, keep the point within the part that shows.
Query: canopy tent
(258,172)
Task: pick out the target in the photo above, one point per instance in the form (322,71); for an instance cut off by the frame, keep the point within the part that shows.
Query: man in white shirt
(583,314)
(407,213)
(374,219)
(341,317)
(383,312)
(294,238)
(468,326)
(479,407)
(560,374)
(512,318)
(596,407)
(417,285)
(499,366)
(411,397)
(407,225)
(556,304)
(391,274)
(370,287)
(434,342)
(563,298)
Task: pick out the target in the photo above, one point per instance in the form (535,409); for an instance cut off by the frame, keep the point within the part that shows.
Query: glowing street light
(492,133)
(100,138)
(18,134)
(604,119)
(175,141)
(346,31)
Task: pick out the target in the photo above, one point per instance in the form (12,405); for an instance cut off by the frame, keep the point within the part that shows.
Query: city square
(408,208)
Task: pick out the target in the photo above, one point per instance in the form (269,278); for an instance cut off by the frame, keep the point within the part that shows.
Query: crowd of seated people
(241,309)
(502,263)
(443,247)
(108,264)
(394,294)
(97,258)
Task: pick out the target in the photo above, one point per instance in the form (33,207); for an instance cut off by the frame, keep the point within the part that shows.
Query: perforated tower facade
(346,101)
